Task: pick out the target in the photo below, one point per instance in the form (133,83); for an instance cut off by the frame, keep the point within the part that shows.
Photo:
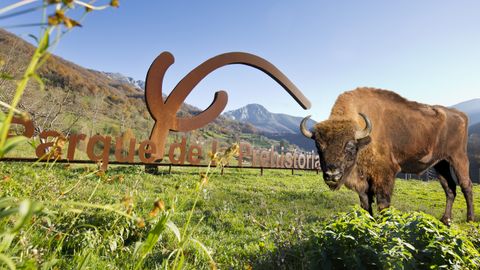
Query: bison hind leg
(460,165)
(449,186)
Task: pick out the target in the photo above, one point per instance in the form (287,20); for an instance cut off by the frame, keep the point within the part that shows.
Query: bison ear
(363,142)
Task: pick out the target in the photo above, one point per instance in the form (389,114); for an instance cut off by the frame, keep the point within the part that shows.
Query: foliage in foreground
(80,218)
(391,240)
(66,234)
(85,231)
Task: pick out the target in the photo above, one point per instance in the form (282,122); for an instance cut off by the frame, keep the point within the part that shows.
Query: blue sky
(428,51)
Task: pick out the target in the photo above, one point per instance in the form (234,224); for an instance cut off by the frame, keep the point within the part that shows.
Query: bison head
(338,142)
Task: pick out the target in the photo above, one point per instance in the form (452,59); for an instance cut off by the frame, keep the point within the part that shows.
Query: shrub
(392,240)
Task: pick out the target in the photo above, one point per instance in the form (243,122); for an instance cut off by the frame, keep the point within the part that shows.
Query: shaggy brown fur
(406,136)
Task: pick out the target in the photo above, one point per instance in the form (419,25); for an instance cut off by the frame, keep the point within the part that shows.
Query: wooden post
(261,171)
(170,169)
(222,171)
(318,171)
(292,171)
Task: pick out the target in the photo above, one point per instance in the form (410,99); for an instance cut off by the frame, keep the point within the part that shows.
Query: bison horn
(360,134)
(307,133)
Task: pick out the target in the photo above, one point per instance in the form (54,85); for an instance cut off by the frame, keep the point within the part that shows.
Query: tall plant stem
(40,52)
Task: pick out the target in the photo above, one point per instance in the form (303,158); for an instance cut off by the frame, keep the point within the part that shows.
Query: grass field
(95,220)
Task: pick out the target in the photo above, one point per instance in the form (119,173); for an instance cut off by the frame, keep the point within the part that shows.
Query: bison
(373,134)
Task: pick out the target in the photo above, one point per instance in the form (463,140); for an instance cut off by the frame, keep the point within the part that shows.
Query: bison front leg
(366,201)
(383,192)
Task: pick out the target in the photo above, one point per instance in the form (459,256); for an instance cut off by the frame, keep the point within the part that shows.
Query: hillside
(276,126)
(77,99)
(474,151)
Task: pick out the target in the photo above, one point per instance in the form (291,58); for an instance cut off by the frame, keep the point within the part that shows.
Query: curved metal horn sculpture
(360,134)
(164,113)
(303,128)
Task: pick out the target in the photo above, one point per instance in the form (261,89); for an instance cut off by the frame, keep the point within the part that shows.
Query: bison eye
(350,148)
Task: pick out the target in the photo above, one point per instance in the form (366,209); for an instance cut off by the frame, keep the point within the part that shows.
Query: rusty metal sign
(164,113)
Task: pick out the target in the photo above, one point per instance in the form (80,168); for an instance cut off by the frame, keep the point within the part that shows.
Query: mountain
(276,126)
(265,121)
(471,108)
(139,84)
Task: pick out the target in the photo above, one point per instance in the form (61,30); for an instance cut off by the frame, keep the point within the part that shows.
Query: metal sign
(164,113)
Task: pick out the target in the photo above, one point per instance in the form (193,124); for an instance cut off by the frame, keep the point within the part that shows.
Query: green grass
(243,218)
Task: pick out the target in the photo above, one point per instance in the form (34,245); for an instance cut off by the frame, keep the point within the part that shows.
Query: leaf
(181,262)
(5,202)
(50,263)
(83,264)
(44,43)
(39,81)
(25,211)
(152,238)
(205,250)
(11,143)
(6,241)
(170,256)
(409,246)
(34,144)
(7,261)
(8,212)
(33,37)
(174,229)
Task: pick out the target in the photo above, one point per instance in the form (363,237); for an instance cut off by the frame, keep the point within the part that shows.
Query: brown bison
(399,136)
